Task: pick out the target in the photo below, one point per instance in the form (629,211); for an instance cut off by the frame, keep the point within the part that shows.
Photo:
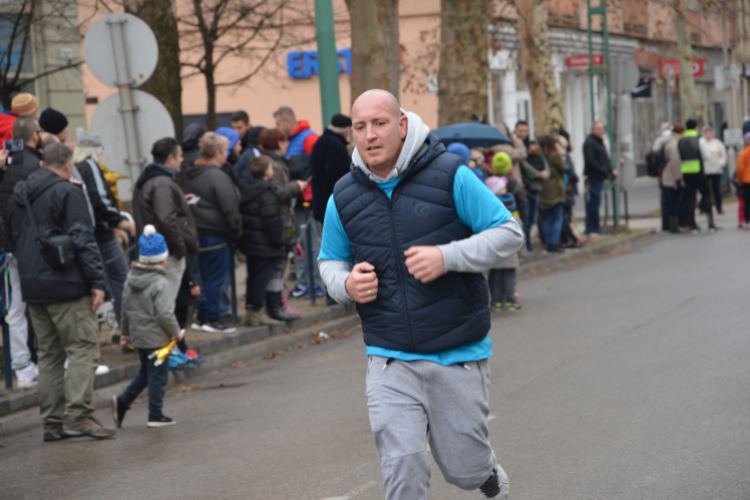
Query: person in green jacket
(552,194)
(149,322)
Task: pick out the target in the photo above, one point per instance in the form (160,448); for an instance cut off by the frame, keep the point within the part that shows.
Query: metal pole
(7,363)
(725,54)
(308,252)
(232,283)
(591,65)
(134,160)
(328,64)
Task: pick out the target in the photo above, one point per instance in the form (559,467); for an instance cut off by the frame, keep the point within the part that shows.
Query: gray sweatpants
(411,402)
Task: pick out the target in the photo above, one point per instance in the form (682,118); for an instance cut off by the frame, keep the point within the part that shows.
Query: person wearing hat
(462,150)
(55,123)
(502,277)
(233,153)
(23,104)
(502,165)
(329,162)
(149,322)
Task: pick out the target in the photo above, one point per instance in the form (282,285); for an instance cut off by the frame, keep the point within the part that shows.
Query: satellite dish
(121,40)
(152,122)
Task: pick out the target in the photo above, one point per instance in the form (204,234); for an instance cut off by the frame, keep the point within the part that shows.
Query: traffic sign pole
(328,69)
(127,110)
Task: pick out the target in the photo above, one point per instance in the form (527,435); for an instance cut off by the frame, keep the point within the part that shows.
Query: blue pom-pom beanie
(152,247)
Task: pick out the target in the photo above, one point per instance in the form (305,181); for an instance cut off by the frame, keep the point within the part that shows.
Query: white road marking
(336,498)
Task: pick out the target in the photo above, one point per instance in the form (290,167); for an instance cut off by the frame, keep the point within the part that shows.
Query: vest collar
(431,149)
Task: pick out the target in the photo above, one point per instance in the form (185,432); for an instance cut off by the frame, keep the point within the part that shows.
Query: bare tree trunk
(537,65)
(165,84)
(375,46)
(211,93)
(692,106)
(464,65)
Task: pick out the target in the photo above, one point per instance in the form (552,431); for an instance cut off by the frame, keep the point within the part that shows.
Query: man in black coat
(329,162)
(62,303)
(596,169)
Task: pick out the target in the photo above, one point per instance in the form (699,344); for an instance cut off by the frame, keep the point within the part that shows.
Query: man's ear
(403,126)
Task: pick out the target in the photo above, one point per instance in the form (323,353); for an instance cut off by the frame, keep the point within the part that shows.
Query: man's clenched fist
(362,283)
(425,263)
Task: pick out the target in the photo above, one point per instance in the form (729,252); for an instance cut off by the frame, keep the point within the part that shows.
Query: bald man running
(407,234)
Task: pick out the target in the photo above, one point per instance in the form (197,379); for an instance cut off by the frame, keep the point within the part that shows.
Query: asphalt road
(627,377)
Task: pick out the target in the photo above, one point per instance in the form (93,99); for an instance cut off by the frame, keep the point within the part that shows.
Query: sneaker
(53,432)
(497,306)
(88,427)
(496,487)
(101,370)
(218,327)
(320,292)
(26,377)
(161,421)
(513,306)
(192,354)
(197,325)
(118,411)
(299,291)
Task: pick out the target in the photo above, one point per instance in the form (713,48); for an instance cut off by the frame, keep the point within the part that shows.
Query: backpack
(655,162)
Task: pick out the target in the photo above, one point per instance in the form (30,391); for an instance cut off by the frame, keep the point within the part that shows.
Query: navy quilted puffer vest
(408,315)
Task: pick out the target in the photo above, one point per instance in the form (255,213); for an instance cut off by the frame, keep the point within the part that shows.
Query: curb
(26,419)
(21,400)
(544,265)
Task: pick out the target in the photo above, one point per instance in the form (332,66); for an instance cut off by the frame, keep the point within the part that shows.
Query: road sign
(124,43)
(733,137)
(152,122)
(727,77)
(624,74)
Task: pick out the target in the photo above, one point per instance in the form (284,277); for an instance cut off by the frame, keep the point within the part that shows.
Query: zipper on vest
(400,271)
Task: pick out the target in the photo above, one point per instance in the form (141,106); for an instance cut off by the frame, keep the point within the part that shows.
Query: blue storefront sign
(305,64)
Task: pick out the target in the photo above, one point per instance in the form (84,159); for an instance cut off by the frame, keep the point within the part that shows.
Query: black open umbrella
(474,135)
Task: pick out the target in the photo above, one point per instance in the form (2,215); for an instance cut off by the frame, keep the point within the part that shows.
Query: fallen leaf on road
(189,388)
(239,364)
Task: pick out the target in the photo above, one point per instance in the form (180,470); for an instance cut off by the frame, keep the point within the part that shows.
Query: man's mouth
(370,149)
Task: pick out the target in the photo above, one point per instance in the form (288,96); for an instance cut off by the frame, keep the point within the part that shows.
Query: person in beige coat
(671,178)
(516,151)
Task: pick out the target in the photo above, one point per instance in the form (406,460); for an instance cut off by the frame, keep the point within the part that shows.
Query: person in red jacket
(743,179)
(22,104)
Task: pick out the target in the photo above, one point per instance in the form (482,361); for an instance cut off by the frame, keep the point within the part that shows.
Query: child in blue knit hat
(148,320)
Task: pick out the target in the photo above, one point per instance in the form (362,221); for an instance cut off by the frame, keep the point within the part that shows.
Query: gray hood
(142,276)
(416,134)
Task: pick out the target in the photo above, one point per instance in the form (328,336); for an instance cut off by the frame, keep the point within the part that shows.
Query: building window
(13,56)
